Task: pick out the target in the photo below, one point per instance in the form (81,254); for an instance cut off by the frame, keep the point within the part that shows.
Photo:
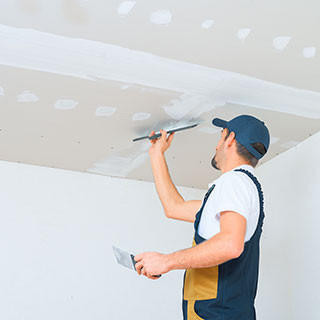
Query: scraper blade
(157,135)
(124,258)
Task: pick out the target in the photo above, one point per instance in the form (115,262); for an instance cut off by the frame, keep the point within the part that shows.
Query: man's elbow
(172,211)
(168,214)
(235,249)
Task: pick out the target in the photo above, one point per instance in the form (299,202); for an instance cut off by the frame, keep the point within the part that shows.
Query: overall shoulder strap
(261,199)
(199,213)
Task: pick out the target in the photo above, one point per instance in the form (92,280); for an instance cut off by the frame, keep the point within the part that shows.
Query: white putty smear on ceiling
(161,17)
(181,123)
(126,7)
(201,87)
(105,111)
(121,163)
(309,52)
(125,87)
(280,43)
(1,91)
(209,130)
(27,96)
(207,24)
(192,106)
(274,140)
(243,33)
(65,104)
(124,161)
(289,144)
(141,116)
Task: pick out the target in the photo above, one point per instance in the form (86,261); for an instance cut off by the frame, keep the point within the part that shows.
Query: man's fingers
(163,135)
(170,138)
(164,138)
(144,272)
(153,141)
(139,266)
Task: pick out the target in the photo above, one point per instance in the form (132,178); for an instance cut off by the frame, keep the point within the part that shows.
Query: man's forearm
(212,252)
(168,194)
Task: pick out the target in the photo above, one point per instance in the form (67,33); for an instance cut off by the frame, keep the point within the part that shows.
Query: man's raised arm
(175,207)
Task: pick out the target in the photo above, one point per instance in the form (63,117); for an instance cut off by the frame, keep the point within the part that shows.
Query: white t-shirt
(233,191)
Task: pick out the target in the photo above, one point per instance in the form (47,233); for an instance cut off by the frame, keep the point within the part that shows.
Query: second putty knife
(125,259)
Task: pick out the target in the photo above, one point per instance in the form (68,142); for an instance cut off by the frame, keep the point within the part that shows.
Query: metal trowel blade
(124,258)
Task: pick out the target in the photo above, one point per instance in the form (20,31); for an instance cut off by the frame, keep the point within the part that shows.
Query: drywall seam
(87,59)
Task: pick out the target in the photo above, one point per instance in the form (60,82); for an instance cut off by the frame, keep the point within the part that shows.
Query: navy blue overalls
(226,291)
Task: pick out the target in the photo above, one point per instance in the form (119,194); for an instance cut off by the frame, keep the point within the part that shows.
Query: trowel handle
(155,136)
(134,264)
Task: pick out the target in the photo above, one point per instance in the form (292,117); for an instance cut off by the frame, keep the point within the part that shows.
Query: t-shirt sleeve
(233,194)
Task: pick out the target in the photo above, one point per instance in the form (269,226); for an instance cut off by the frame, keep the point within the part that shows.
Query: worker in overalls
(220,281)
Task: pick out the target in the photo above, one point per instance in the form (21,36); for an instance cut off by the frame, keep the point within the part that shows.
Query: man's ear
(230,139)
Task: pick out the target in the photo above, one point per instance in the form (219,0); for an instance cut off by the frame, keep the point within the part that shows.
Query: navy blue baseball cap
(248,130)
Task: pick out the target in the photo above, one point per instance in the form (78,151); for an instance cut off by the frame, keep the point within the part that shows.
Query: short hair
(245,154)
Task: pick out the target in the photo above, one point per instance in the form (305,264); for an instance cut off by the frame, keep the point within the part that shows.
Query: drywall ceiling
(79,79)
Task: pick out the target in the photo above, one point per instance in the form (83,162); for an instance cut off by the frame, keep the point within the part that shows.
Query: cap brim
(219,122)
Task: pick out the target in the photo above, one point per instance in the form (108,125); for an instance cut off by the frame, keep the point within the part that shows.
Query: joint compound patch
(309,52)
(65,104)
(105,111)
(141,116)
(27,96)
(280,43)
(243,33)
(207,24)
(126,7)
(161,17)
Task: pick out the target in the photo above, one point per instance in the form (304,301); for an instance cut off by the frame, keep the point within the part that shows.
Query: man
(220,280)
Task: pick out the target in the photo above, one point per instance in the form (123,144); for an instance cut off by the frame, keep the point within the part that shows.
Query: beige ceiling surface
(109,67)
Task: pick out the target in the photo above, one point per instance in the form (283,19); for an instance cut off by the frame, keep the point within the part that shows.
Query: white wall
(56,232)
(290,260)
(57,228)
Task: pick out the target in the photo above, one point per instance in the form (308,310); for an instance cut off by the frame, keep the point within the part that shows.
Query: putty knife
(126,259)
(157,135)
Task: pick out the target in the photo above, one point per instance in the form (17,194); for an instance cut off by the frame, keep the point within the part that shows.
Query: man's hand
(151,264)
(160,144)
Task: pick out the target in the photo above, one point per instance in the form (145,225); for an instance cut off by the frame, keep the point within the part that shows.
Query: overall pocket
(201,284)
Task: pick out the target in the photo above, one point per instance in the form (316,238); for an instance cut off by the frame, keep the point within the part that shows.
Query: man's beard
(214,163)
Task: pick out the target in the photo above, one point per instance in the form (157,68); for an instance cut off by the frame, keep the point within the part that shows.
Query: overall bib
(226,291)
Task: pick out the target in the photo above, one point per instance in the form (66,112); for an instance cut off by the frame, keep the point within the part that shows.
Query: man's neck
(233,165)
